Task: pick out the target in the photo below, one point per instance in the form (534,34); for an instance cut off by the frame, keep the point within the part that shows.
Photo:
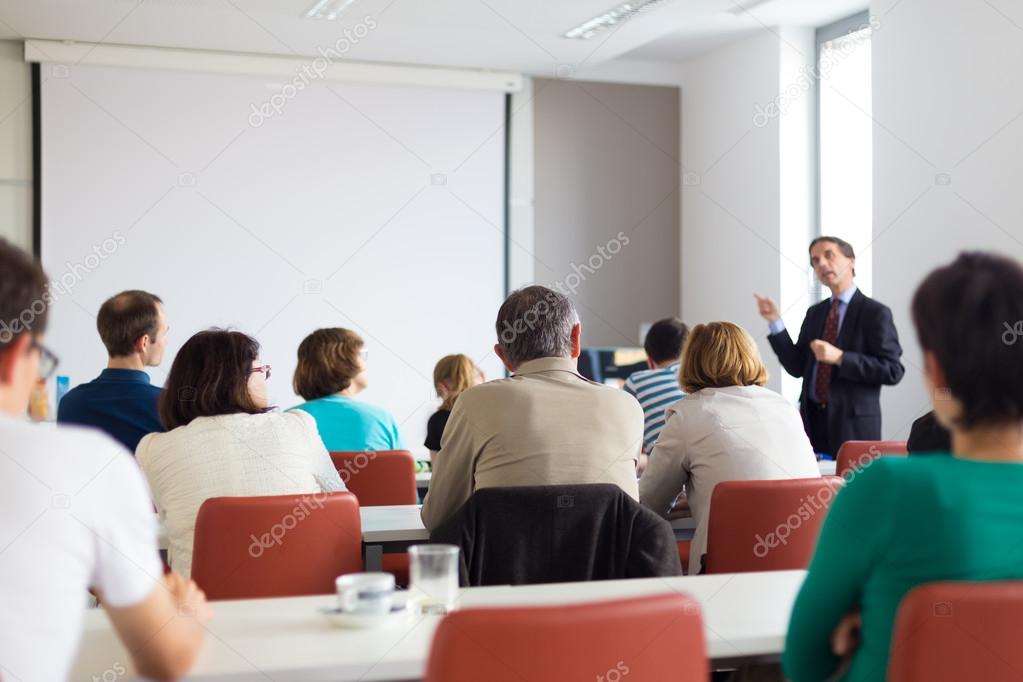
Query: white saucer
(363,621)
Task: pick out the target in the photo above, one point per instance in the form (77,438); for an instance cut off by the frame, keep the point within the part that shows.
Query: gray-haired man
(544,425)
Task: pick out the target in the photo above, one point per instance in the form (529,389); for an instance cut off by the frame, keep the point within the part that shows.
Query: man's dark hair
(209,377)
(24,297)
(535,322)
(969,314)
(125,318)
(664,339)
(843,246)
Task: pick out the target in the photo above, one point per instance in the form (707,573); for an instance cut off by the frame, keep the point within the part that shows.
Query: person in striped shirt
(657,388)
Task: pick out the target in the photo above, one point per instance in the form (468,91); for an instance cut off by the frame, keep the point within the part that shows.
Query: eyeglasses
(264,369)
(48,361)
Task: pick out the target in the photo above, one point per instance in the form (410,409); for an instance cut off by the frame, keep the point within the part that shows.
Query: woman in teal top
(330,372)
(900,523)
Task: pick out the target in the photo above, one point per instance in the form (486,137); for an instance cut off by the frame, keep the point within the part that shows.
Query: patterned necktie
(823,385)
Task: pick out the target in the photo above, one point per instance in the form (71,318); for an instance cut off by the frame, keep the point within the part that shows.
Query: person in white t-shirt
(75,514)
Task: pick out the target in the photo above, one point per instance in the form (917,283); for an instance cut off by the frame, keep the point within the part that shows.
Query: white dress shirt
(230,455)
(738,433)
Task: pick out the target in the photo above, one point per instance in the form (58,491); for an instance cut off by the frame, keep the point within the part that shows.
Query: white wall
(732,163)
(948,137)
(15,146)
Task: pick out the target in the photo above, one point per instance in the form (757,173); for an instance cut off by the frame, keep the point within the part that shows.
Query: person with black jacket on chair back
(847,349)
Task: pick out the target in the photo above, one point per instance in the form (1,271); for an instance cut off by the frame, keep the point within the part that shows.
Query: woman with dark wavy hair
(223,439)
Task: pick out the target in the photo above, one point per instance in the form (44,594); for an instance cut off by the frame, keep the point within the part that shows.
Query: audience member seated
(657,388)
(545,425)
(902,522)
(121,401)
(729,428)
(331,371)
(928,436)
(452,375)
(74,515)
(223,440)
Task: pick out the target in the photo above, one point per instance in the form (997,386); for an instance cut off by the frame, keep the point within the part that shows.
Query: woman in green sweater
(904,522)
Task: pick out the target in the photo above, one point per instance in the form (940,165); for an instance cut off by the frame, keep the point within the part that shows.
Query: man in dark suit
(847,349)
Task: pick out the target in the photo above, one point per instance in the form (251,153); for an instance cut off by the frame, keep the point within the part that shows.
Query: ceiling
(516,35)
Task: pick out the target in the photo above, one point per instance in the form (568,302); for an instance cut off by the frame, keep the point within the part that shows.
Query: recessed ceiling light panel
(328,9)
(610,18)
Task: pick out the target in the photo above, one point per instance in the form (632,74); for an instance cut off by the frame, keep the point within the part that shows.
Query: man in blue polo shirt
(121,401)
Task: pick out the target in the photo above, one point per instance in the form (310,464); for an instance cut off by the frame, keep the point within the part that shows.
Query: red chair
(856,454)
(644,639)
(954,631)
(377,478)
(766,525)
(683,554)
(276,546)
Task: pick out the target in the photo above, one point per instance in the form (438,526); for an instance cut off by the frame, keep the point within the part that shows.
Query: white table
(389,529)
(745,615)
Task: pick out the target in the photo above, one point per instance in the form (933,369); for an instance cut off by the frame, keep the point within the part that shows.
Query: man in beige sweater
(544,425)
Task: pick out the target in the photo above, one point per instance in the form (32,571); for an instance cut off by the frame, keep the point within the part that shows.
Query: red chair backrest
(645,639)
(380,477)
(766,525)
(856,454)
(954,631)
(276,546)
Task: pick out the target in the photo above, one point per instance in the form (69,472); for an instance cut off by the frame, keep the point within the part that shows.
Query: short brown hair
(328,360)
(125,318)
(718,355)
(209,377)
(24,297)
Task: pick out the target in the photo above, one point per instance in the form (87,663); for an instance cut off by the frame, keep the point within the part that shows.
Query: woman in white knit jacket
(727,428)
(223,440)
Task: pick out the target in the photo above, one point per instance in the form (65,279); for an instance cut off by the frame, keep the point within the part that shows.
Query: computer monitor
(611,365)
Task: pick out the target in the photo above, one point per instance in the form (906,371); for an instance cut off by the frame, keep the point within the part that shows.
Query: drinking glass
(433,570)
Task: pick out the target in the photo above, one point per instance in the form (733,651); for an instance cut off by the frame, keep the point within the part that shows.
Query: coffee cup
(365,593)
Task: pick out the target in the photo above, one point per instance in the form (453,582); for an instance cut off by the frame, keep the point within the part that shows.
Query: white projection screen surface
(375,208)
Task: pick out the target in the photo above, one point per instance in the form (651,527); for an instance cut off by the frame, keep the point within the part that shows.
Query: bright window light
(846,152)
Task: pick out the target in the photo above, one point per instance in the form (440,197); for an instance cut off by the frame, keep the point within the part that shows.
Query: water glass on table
(433,570)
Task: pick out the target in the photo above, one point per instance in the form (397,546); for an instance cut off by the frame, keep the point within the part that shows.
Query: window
(845,150)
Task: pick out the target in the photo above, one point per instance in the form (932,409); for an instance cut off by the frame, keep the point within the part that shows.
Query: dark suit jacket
(871,349)
(544,534)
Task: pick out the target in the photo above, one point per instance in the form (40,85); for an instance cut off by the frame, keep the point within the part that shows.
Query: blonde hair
(328,360)
(720,354)
(459,372)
